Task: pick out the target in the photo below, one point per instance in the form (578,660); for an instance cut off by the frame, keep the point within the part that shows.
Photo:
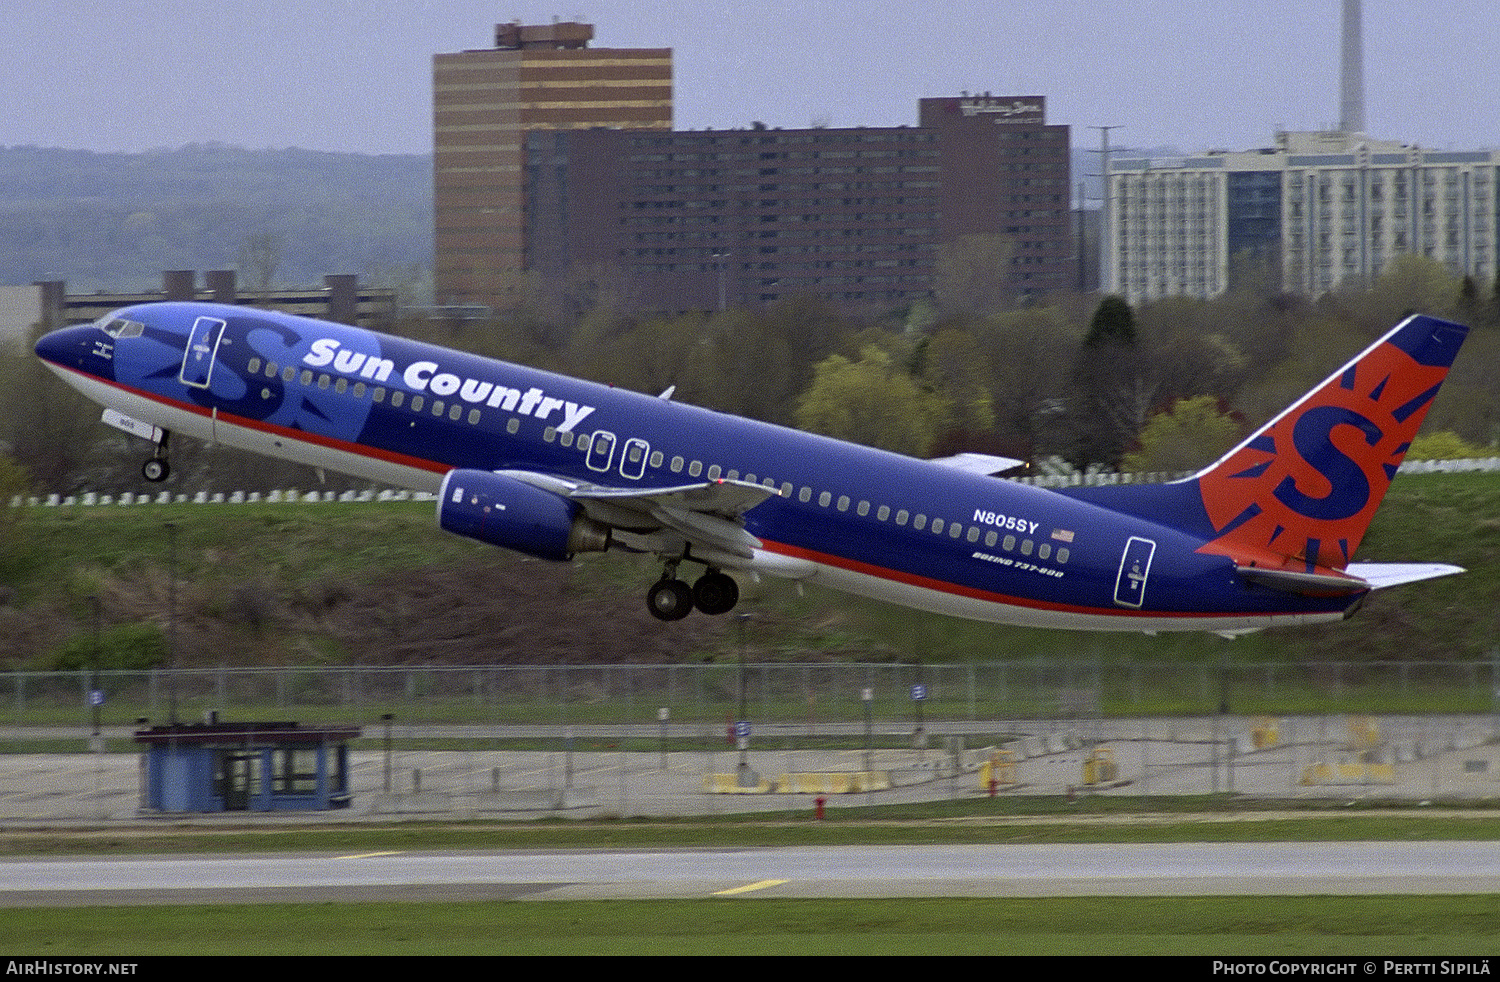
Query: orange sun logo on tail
(1301,492)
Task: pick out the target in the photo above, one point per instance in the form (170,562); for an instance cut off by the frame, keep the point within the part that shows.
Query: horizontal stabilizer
(1292,581)
(979,463)
(1382,575)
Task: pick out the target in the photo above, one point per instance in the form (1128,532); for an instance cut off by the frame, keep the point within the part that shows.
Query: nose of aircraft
(66,346)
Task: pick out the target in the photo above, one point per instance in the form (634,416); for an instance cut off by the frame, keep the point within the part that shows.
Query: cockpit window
(119,327)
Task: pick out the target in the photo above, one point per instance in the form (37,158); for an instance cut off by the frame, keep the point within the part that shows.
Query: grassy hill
(378,583)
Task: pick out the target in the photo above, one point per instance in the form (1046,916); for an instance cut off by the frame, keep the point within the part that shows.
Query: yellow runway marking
(761,885)
(370,855)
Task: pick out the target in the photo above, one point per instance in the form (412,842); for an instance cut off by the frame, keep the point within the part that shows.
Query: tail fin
(1301,491)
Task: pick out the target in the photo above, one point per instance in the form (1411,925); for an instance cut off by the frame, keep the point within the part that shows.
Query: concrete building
(557,161)
(340,299)
(484,103)
(1324,209)
(859,216)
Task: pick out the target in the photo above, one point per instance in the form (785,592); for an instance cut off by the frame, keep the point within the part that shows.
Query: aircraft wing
(705,513)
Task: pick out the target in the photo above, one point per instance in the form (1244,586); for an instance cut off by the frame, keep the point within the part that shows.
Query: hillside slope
(379,584)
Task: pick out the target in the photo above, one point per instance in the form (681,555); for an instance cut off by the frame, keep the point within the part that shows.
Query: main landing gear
(158,468)
(671,599)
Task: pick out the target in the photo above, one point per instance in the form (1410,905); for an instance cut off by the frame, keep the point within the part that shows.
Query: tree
(1112,391)
(1192,433)
(1112,327)
(1443,445)
(1029,378)
(49,427)
(260,256)
(14,481)
(973,274)
(872,401)
(955,367)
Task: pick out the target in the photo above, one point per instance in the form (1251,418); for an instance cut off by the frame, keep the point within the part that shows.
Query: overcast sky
(356,75)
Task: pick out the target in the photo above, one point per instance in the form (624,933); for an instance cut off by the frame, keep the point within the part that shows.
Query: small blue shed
(264,766)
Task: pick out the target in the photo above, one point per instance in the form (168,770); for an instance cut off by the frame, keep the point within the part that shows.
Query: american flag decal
(1063,535)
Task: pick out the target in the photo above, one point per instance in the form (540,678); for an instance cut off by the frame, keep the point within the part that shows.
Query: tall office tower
(484,102)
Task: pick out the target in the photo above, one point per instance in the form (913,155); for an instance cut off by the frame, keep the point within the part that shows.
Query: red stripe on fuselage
(304,436)
(822,558)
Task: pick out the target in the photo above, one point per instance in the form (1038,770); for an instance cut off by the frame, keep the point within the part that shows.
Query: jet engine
(503,511)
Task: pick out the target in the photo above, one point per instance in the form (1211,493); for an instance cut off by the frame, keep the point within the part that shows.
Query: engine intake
(505,512)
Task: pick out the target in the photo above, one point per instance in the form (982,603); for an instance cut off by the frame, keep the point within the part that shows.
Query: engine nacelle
(505,512)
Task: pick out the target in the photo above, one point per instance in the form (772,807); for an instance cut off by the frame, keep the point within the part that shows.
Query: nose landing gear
(158,468)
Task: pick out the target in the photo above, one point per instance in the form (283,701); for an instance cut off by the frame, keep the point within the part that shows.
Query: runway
(1173,869)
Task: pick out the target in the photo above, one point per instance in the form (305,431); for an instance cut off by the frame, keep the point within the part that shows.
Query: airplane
(551,466)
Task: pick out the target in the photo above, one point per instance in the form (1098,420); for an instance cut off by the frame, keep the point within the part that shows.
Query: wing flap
(706,513)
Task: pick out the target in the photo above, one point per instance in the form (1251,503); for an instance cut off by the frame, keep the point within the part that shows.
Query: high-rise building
(1322,209)
(484,102)
(555,161)
(859,216)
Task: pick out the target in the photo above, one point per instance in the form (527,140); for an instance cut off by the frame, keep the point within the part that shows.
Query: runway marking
(760,885)
(370,855)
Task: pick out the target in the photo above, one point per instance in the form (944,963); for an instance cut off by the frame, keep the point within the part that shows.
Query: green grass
(67,555)
(1019,819)
(758,924)
(1217,926)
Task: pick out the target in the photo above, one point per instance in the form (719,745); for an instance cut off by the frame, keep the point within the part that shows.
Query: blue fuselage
(398,411)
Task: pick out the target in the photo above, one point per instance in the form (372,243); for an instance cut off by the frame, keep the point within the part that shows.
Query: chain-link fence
(634,739)
(807,695)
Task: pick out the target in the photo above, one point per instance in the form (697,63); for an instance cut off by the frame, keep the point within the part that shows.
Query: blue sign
(96,697)
(742,729)
(918,692)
